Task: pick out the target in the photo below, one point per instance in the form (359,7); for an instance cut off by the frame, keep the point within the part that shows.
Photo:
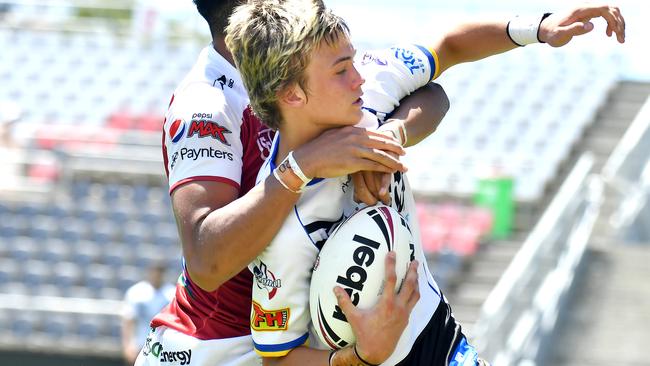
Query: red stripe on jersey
(164,148)
(201,178)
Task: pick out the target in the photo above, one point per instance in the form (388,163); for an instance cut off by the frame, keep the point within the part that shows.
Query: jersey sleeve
(393,73)
(280,316)
(201,138)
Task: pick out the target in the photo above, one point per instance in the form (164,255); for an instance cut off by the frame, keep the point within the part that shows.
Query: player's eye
(341,72)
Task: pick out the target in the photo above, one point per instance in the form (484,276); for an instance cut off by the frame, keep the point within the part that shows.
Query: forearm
(313,357)
(422,112)
(230,237)
(472,41)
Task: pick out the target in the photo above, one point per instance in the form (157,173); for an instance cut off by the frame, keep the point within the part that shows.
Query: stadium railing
(522,309)
(627,172)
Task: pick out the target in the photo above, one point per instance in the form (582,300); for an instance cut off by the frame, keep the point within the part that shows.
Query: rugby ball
(353,257)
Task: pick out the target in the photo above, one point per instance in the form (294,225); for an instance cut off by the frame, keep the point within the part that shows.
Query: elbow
(440,99)
(203,272)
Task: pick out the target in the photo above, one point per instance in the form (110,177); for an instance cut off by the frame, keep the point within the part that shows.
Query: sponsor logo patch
(205,128)
(265,279)
(369,57)
(176,357)
(407,57)
(174,160)
(177,130)
(223,81)
(265,142)
(263,320)
(206,152)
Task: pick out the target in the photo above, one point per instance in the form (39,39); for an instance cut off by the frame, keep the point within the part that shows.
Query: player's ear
(293,96)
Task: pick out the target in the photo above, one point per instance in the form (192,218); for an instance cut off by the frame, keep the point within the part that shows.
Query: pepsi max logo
(205,128)
(177,130)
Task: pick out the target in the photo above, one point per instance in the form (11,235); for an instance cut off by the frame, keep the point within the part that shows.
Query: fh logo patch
(263,320)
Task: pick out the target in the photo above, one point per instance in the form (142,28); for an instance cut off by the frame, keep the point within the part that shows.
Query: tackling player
(213,147)
(296,61)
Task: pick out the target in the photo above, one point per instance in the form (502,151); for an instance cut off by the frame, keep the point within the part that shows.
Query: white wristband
(397,129)
(525,30)
(296,168)
(285,185)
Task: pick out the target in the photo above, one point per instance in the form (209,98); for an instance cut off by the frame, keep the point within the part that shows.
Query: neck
(219,44)
(295,133)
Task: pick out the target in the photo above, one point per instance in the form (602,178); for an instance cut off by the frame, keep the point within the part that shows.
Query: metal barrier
(522,309)
(627,172)
(51,304)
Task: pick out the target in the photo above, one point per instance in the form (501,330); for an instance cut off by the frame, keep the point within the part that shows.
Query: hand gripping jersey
(280,319)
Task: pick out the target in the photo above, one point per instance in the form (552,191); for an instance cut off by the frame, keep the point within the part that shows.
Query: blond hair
(272,41)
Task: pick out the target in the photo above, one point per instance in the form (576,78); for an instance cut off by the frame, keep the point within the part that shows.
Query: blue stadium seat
(13,225)
(36,273)
(67,275)
(116,254)
(10,271)
(24,248)
(50,290)
(24,323)
(86,252)
(28,209)
(89,326)
(111,293)
(105,231)
(43,227)
(59,209)
(90,210)
(55,250)
(17,287)
(137,232)
(59,325)
(166,235)
(72,230)
(80,189)
(98,276)
(128,276)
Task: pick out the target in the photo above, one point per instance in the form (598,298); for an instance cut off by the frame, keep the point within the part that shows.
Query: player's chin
(356,115)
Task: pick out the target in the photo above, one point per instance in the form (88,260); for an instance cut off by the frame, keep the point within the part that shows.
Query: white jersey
(280,319)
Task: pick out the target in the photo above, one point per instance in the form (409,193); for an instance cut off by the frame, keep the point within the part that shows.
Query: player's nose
(357,79)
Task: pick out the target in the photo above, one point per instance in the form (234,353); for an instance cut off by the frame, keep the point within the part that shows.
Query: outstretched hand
(379,328)
(559,28)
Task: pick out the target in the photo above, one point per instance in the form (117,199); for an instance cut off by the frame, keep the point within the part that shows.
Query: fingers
(361,191)
(384,186)
(409,293)
(611,14)
(390,277)
(615,21)
(579,28)
(384,158)
(381,141)
(371,183)
(343,299)
(620,21)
